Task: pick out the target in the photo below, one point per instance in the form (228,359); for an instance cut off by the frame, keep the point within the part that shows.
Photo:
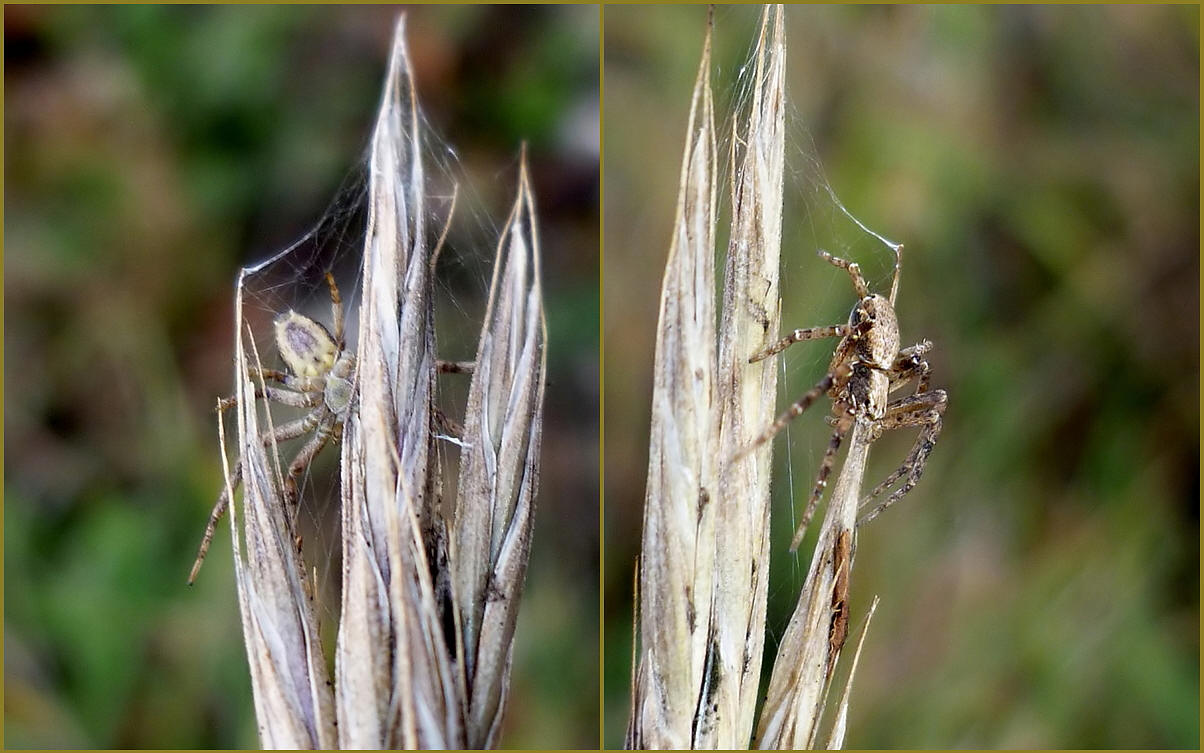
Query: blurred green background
(149,153)
(1040,587)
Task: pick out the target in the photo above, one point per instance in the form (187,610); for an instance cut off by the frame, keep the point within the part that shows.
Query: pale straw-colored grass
(289,678)
(702,582)
(801,679)
(499,469)
(747,391)
(677,564)
(428,603)
(703,574)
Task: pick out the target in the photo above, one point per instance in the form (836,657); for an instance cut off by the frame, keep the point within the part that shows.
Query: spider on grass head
(866,367)
(319,379)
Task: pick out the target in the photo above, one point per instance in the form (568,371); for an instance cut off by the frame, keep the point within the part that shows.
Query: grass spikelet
(396,676)
(748,390)
(678,540)
(289,680)
(702,579)
(801,675)
(499,469)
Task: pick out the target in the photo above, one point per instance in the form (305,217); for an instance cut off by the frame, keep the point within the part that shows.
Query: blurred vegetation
(151,151)
(1040,587)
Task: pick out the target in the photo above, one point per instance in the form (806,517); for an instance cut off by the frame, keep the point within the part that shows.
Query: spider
(319,379)
(866,367)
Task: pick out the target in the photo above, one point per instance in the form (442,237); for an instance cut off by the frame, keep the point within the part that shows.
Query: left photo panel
(302,377)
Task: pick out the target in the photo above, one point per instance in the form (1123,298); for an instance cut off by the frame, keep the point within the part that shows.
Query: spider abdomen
(876,331)
(306,346)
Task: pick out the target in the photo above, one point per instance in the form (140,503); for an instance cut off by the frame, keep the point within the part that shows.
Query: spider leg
(271,374)
(798,336)
(336,309)
(838,376)
(852,268)
(291,381)
(759,313)
(455,367)
(910,364)
(924,410)
(266,375)
(281,377)
(295,398)
(305,456)
(445,424)
(219,509)
(894,284)
(843,423)
(291,430)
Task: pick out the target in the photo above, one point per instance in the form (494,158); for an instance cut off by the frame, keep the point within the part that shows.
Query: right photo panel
(901,377)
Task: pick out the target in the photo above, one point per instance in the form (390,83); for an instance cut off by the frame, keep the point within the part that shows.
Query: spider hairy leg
(215,516)
(285,397)
(894,283)
(852,268)
(924,410)
(270,375)
(267,375)
(842,424)
(835,378)
(445,424)
(336,309)
(910,364)
(798,336)
(455,367)
(291,430)
(304,457)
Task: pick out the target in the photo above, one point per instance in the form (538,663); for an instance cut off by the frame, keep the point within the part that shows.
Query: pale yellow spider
(319,378)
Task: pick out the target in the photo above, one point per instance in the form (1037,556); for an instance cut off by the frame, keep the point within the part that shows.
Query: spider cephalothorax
(866,367)
(320,379)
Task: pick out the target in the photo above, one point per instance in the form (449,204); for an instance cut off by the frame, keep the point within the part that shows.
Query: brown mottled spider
(319,378)
(866,367)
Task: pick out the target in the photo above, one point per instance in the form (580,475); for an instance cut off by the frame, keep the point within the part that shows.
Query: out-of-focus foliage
(149,152)
(1040,587)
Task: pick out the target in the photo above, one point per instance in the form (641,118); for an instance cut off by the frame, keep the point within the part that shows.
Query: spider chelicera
(866,367)
(319,379)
